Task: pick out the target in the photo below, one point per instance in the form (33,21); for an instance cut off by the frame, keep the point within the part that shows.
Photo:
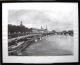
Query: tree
(64,32)
(14,28)
(53,31)
(70,32)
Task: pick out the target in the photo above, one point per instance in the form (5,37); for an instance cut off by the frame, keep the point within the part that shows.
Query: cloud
(36,19)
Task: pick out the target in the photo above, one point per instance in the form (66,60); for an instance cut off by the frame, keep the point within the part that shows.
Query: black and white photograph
(41,32)
(32,32)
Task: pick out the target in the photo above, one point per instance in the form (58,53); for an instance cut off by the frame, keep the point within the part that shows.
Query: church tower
(46,27)
(21,24)
(41,27)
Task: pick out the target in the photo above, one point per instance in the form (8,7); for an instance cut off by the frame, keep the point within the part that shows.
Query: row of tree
(22,29)
(16,29)
(64,32)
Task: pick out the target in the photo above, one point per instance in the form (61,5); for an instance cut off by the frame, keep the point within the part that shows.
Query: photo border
(32,2)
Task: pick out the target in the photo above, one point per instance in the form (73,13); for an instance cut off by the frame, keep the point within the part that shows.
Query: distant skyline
(58,19)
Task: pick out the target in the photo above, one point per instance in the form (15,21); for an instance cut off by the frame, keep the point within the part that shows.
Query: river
(54,45)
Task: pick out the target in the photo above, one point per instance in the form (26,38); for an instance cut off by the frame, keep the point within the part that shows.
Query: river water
(54,45)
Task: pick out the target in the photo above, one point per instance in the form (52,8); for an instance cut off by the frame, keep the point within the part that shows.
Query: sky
(57,18)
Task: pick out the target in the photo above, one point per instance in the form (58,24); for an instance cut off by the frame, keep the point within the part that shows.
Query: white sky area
(59,17)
